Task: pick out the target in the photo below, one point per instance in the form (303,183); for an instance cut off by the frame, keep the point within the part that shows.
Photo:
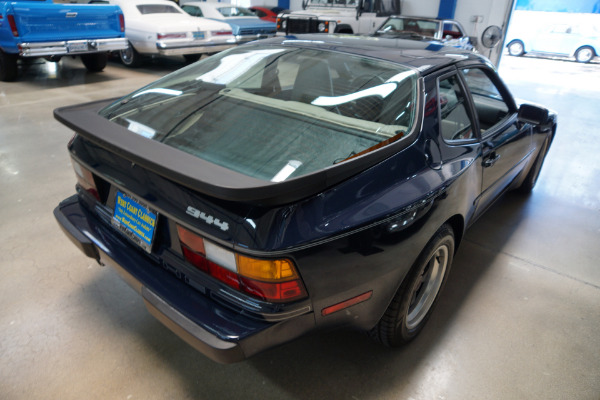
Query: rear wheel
(516,48)
(130,57)
(584,54)
(8,66)
(413,303)
(95,62)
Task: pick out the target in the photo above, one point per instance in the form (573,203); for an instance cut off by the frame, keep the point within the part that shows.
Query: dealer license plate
(135,220)
(198,35)
(77,47)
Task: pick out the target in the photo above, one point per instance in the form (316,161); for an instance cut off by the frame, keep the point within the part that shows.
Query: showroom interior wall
(474,15)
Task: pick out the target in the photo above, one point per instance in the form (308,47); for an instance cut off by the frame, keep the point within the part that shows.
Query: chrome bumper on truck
(215,330)
(71,47)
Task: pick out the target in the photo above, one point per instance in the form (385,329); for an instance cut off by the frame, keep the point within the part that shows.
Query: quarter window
(456,124)
(192,10)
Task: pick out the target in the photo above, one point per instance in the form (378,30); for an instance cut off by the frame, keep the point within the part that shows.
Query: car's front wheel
(584,54)
(516,48)
(413,303)
(130,57)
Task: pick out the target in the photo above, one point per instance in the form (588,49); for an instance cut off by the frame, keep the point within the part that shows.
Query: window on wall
(490,105)
(455,121)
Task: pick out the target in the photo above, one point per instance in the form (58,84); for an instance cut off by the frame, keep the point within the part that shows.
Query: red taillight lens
(13,25)
(181,35)
(270,291)
(122,22)
(269,280)
(85,179)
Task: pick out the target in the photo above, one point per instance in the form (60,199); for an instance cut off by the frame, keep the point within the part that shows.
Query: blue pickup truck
(41,28)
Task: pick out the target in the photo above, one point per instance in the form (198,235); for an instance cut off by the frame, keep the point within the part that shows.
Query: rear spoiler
(204,176)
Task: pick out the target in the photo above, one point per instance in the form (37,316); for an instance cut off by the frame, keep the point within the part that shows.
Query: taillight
(270,280)
(122,22)
(13,25)
(180,35)
(85,179)
(221,33)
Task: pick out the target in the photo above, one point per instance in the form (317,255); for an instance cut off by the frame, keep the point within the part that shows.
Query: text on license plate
(135,220)
(77,47)
(198,35)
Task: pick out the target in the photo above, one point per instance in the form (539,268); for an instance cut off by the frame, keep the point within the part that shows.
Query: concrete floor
(519,318)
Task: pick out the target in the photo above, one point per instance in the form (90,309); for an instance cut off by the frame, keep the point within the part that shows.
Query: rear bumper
(218,332)
(71,47)
(250,38)
(179,49)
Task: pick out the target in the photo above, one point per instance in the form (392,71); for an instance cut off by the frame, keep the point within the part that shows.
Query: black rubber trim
(206,177)
(197,337)
(82,242)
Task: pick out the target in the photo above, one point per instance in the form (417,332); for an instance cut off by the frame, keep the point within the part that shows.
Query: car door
(374,13)
(556,40)
(506,143)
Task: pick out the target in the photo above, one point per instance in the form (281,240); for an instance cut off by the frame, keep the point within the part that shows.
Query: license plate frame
(135,220)
(77,47)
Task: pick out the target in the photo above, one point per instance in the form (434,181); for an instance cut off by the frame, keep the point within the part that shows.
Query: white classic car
(162,28)
(564,40)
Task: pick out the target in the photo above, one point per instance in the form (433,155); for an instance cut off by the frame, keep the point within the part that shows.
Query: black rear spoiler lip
(204,176)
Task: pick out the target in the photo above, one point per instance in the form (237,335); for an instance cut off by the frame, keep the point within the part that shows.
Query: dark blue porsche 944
(297,184)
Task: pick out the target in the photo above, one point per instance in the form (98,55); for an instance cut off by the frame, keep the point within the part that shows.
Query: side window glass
(490,106)
(455,121)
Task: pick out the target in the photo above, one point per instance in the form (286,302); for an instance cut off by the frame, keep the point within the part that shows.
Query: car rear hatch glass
(275,113)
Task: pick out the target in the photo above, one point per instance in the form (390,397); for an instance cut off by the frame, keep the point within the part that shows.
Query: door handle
(491,159)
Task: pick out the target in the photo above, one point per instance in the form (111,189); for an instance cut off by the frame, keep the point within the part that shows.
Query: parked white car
(581,42)
(162,28)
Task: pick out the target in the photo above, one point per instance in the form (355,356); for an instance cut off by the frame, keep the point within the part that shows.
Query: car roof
(422,56)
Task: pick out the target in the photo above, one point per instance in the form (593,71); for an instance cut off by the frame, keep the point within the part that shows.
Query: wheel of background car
(584,54)
(533,174)
(130,57)
(8,66)
(413,303)
(343,29)
(95,62)
(516,48)
(191,58)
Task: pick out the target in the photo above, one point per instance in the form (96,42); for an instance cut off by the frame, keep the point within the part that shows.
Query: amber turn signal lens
(266,270)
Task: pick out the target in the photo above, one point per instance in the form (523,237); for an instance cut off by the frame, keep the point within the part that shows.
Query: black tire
(585,54)
(533,174)
(130,57)
(95,62)
(191,58)
(8,66)
(516,48)
(412,305)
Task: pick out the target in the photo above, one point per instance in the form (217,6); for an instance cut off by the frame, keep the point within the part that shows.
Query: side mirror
(534,115)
